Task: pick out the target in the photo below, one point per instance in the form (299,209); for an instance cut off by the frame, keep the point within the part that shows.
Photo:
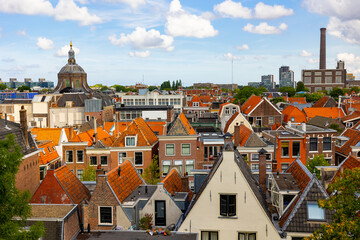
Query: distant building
(254,84)
(286,77)
(267,81)
(13,83)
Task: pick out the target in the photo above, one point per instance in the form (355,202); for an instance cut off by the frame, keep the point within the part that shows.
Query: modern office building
(286,77)
(267,81)
(14,84)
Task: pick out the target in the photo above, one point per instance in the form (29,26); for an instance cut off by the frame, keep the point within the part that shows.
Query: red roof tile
(88,136)
(321,102)
(352,116)
(349,163)
(354,138)
(298,100)
(250,104)
(330,112)
(126,183)
(292,111)
(228,123)
(48,154)
(186,123)
(173,183)
(195,99)
(51,134)
(156,126)
(244,135)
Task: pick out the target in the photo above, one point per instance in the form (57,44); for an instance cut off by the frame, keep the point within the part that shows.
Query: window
(233,110)
(271,120)
(293,119)
(93,160)
(139,171)
(79,173)
(165,167)
(170,149)
(255,166)
(268,166)
(284,149)
(130,141)
(295,149)
(195,104)
(185,149)
(138,158)
(80,156)
(313,144)
(315,212)
(103,160)
(284,167)
(227,111)
(247,236)
(327,144)
(254,157)
(49,149)
(105,215)
(209,235)
(69,156)
(122,156)
(179,164)
(189,165)
(228,205)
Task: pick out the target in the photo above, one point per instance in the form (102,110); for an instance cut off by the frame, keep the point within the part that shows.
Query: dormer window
(130,141)
(315,213)
(227,111)
(195,104)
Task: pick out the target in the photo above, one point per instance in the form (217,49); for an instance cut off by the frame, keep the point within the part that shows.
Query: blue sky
(126,41)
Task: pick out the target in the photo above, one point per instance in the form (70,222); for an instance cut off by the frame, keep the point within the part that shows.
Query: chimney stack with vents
(23,125)
(322,48)
(262,169)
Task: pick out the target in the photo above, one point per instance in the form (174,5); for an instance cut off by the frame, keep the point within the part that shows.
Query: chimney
(303,127)
(185,183)
(23,125)
(71,130)
(237,135)
(95,130)
(322,48)
(99,171)
(262,169)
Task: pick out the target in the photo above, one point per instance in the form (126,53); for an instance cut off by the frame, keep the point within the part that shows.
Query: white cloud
(352,62)
(182,23)
(313,60)
(64,10)
(230,56)
(232,9)
(132,3)
(44,43)
(62,52)
(343,9)
(243,47)
(305,53)
(264,28)
(143,54)
(263,11)
(349,30)
(21,32)
(142,39)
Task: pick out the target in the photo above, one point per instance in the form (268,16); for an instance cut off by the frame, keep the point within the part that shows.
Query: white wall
(61,117)
(154,115)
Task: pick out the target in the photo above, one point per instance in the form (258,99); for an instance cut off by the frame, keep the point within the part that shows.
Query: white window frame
(90,161)
(142,159)
(135,141)
(77,173)
(182,149)
(181,165)
(196,104)
(107,160)
(186,164)
(121,158)
(168,163)
(66,154)
(308,213)
(77,156)
(99,216)
(166,149)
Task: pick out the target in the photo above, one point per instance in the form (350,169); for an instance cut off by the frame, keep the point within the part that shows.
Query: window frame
(330,143)
(288,149)
(77,156)
(103,156)
(209,234)
(121,158)
(67,156)
(77,173)
(162,167)
(312,143)
(182,149)
(90,162)
(313,203)
(186,166)
(292,145)
(166,149)
(228,212)
(181,166)
(142,159)
(130,137)
(99,215)
(281,166)
(246,235)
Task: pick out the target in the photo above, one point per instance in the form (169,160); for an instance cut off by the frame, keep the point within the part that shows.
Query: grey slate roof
(255,141)
(78,99)
(14,128)
(16,101)
(139,192)
(324,122)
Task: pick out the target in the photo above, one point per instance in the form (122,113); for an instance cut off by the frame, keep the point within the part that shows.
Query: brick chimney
(99,171)
(262,169)
(24,125)
(95,131)
(185,183)
(237,135)
(71,130)
(322,62)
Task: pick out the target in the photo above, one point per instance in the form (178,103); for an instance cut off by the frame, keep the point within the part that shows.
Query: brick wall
(52,229)
(74,166)
(71,226)
(28,176)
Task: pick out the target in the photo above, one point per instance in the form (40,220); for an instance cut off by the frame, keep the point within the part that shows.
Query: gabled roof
(48,153)
(51,134)
(156,126)
(229,122)
(124,180)
(292,111)
(321,102)
(298,100)
(88,136)
(353,116)
(324,122)
(172,182)
(250,104)
(222,106)
(183,123)
(196,99)
(331,112)
(354,139)
(138,127)
(349,163)
(61,186)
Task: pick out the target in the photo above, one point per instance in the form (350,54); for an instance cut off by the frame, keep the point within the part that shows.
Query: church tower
(72,77)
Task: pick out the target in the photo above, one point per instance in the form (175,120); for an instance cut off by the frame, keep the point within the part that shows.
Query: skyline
(119,41)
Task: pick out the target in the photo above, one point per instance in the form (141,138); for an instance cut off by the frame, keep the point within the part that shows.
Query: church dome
(71,66)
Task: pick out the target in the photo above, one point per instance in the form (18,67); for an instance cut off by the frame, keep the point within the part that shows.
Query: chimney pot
(262,169)
(23,124)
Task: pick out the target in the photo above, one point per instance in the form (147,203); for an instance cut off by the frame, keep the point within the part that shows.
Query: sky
(150,41)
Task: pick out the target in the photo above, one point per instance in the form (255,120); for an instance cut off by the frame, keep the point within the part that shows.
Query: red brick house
(196,106)
(261,113)
(104,211)
(179,148)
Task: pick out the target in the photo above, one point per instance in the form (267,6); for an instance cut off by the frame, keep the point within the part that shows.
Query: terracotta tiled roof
(172,182)
(354,138)
(156,126)
(228,123)
(88,136)
(244,135)
(207,99)
(298,100)
(250,104)
(222,106)
(196,99)
(51,134)
(292,111)
(276,126)
(349,163)
(126,183)
(352,116)
(321,102)
(145,136)
(61,186)
(186,123)
(331,112)
(48,154)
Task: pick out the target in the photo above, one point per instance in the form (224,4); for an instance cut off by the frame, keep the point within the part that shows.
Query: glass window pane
(252,236)
(315,212)
(204,235)
(170,149)
(213,235)
(185,149)
(138,158)
(296,149)
(242,236)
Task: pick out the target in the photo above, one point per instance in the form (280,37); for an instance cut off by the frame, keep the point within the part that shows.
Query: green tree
(336,127)
(345,203)
(104,88)
(244,93)
(24,88)
(165,85)
(89,174)
(277,100)
(356,89)
(120,88)
(3,86)
(14,203)
(152,174)
(152,88)
(300,87)
(318,160)
(336,92)
(289,90)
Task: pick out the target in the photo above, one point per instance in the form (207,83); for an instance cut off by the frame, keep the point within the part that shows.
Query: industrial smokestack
(322,48)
